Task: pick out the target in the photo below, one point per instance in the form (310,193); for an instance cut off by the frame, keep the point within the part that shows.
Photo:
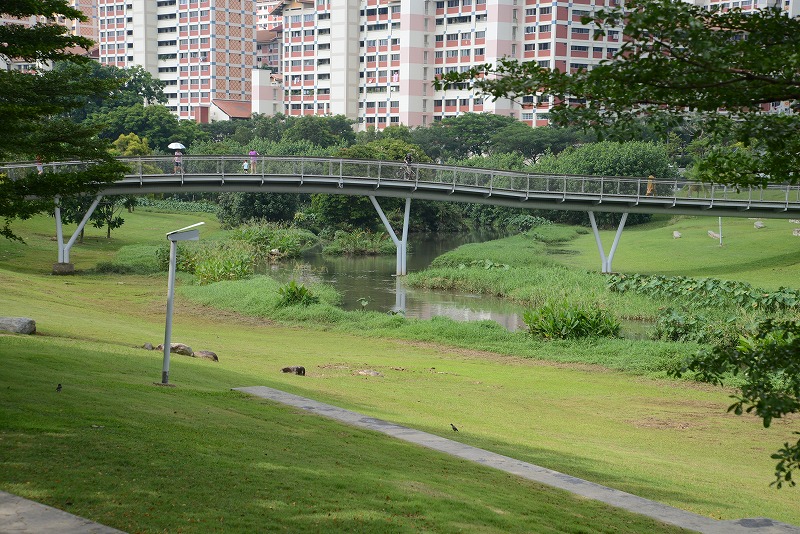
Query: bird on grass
(58,388)
(453,427)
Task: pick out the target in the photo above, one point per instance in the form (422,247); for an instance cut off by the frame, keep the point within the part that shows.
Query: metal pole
(173,252)
(720,231)
(59,231)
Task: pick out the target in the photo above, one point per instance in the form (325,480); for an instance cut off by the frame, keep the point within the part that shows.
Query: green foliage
(265,237)
(360,243)
(484,264)
(154,122)
(690,326)
(218,263)
(678,63)
(565,321)
(525,222)
(238,208)
(292,294)
(172,205)
(708,292)
(770,369)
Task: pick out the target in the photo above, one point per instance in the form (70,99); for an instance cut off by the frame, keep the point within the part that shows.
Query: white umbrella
(176,146)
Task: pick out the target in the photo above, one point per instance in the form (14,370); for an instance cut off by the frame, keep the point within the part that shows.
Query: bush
(563,321)
(265,236)
(684,326)
(292,294)
(360,243)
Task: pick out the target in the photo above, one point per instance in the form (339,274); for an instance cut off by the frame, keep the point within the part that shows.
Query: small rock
(676,235)
(18,325)
(796,232)
(177,348)
(149,346)
(368,372)
(758,224)
(206,354)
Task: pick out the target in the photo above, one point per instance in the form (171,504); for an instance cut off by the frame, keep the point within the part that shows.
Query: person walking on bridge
(253,160)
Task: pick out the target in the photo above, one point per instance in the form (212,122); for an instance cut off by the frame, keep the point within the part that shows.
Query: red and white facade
(203,49)
(374,60)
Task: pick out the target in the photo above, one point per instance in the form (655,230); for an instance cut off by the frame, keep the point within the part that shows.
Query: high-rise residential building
(204,50)
(374,60)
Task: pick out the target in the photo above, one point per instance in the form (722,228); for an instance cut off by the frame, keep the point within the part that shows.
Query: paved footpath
(21,516)
(590,490)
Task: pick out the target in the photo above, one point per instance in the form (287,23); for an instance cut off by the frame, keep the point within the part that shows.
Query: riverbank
(662,439)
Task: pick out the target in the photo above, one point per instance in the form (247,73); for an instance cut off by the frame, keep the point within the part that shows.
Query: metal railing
(228,172)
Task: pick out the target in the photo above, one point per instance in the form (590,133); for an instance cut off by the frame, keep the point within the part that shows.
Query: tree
(533,143)
(767,362)
(33,107)
(321,131)
(607,158)
(679,62)
(155,122)
(718,70)
(460,137)
(134,86)
(239,208)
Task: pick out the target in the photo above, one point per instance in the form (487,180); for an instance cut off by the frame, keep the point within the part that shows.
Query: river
(373,278)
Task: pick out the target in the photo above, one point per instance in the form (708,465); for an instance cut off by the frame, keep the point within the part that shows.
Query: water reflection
(373,278)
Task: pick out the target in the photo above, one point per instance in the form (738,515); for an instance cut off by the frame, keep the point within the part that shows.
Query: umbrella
(176,146)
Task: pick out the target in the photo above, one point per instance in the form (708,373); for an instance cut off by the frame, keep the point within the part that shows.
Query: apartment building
(204,50)
(374,60)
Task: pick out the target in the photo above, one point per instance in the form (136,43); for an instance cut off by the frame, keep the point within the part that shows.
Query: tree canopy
(680,63)
(33,107)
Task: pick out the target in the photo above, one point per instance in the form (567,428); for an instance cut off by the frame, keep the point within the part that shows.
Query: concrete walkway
(21,516)
(575,485)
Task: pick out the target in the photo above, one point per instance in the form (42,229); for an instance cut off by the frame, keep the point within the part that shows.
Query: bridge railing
(486,181)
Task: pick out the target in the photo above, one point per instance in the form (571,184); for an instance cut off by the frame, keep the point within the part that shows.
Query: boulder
(149,346)
(368,372)
(296,369)
(206,354)
(796,232)
(177,348)
(676,235)
(758,224)
(18,325)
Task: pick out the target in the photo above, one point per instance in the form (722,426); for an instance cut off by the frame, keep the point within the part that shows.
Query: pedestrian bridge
(290,174)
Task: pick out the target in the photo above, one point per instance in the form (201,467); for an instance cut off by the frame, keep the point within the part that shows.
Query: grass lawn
(768,257)
(117,449)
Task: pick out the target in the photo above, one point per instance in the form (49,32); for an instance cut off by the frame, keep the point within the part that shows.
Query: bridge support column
(606,261)
(64,266)
(400,244)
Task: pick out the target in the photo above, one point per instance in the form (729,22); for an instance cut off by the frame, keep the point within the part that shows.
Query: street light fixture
(190,233)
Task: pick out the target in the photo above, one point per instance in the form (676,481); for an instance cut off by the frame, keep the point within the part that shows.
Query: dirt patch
(501,358)
(663,424)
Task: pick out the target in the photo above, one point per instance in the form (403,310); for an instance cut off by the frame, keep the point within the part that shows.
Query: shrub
(265,236)
(360,243)
(708,292)
(563,321)
(292,294)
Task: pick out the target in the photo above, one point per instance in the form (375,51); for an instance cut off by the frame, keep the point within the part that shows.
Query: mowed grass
(768,257)
(177,452)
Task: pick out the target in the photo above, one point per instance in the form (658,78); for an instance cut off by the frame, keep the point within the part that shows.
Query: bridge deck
(447,183)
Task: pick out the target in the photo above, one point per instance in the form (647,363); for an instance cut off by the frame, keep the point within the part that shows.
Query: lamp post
(190,233)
